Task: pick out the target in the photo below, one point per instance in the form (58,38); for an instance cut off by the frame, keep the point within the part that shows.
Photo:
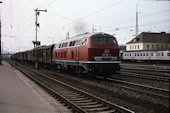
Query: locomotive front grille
(105,58)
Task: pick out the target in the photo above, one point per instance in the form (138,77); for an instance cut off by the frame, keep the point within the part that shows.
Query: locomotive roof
(85,35)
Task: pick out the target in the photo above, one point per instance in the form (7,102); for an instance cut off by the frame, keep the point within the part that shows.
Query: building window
(157,46)
(168,54)
(162,54)
(146,54)
(138,46)
(135,46)
(151,54)
(130,47)
(166,47)
(153,47)
(148,46)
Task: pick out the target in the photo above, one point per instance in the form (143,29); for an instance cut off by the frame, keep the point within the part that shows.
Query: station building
(149,41)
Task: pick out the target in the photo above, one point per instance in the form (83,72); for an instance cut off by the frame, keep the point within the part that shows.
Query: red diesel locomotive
(92,53)
(89,53)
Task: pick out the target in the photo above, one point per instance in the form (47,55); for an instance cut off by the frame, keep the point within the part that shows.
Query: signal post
(37,43)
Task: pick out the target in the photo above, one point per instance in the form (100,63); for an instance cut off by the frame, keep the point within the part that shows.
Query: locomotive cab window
(111,41)
(56,46)
(84,42)
(98,41)
(72,43)
(59,46)
(77,43)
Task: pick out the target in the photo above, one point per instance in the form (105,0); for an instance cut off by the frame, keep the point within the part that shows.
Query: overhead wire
(31,23)
(35,3)
(160,12)
(11,10)
(93,13)
(119,13)
(141,25)
(69,18)
(109,6)
(82,9)
(107,17)
(129,20)
(50,4)
(66,18)
(75,21)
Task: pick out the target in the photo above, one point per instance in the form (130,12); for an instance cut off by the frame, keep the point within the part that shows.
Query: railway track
(143,92)
(77,100)
(144,89)
(149,90)
(157,68)
(165,73)
(164,77)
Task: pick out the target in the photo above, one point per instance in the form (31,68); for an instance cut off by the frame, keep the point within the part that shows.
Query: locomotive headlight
(97,58)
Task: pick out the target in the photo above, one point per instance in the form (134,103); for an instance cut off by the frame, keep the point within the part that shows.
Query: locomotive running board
(84,62)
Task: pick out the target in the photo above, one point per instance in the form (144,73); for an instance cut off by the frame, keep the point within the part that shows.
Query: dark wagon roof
(46,47)
(39,48)
(151,38)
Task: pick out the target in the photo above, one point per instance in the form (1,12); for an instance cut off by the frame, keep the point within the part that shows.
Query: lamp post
(0,38)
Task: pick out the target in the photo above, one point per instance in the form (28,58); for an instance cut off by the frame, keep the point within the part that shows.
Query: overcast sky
(116,17)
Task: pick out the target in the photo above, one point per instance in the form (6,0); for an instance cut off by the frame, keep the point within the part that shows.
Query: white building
(149,41)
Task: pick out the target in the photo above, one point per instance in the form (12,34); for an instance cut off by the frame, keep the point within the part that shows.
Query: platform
(18,94)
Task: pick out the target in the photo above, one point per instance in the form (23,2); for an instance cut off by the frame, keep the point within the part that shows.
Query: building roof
(148,37)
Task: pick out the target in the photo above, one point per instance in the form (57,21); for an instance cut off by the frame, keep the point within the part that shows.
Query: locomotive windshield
(111,41)
(101,41)
(98,41)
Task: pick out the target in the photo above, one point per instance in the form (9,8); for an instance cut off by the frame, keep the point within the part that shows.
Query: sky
(116,17)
